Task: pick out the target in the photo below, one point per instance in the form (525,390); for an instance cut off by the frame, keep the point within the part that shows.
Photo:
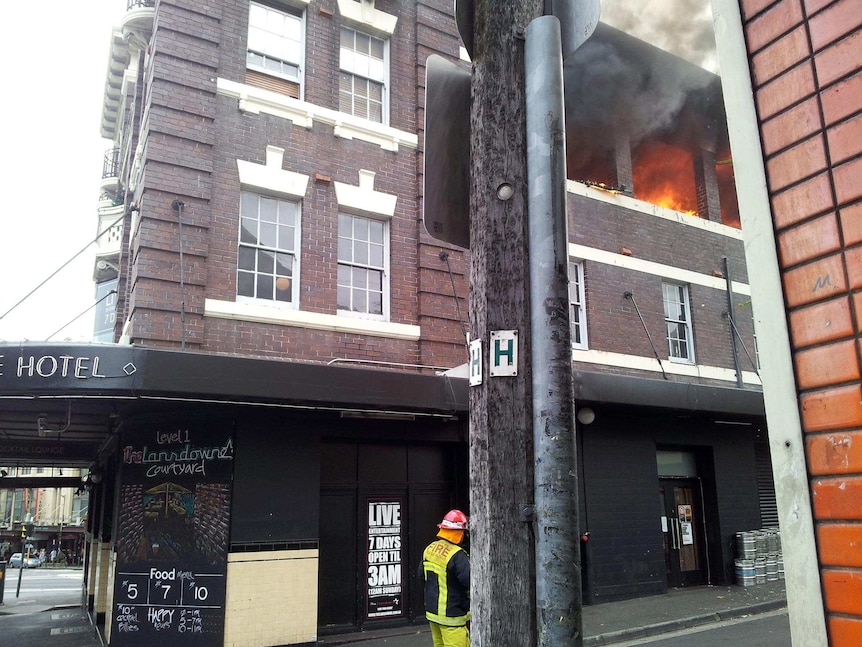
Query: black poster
(172,537)
(384,592)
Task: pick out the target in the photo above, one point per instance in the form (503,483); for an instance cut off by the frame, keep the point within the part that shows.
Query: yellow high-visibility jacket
(446,567)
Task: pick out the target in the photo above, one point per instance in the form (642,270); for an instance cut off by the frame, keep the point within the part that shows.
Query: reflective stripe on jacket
(447,583)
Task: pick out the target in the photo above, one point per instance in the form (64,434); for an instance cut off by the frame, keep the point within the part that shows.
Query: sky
(53,64)
(682,27)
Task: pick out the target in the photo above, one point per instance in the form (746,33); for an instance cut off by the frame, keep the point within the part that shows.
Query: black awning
(73,394)
(686,396)
(105,371)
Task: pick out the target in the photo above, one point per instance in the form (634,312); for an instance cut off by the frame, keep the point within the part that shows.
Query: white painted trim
(786,441)
(262,313)
(656,269)
(364,15)
(271,176)
(632,204)
(651,364)
(254,100)
(363,199)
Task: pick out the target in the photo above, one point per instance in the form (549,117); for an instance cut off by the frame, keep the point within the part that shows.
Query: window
(577,305)
(362,82)
(274,49)
(677,317)
(268,267)
(362,266)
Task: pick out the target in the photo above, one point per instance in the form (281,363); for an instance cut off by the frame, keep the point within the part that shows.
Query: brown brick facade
(194,137)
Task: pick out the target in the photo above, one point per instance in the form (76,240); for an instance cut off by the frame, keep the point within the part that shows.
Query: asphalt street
(46,611)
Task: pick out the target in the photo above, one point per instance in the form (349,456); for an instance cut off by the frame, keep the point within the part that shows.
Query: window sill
(256,100)
(262,313)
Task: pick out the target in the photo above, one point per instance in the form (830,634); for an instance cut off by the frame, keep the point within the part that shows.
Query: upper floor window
(363,78)
(577,305)
(677,317)
(363,261)
(275,49)
(268,264)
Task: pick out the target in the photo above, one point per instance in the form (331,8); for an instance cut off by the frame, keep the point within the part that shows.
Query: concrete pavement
(615,622)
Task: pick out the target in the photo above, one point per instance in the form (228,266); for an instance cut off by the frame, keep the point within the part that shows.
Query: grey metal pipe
(729,288)
(558,572)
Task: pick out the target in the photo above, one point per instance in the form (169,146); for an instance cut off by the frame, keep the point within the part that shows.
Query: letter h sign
(503,360)
(504,353)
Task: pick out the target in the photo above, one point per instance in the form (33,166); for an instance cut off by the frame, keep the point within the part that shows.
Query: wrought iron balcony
(111,164)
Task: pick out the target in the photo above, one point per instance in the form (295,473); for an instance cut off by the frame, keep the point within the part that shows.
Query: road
(47,611)
(42,586)
(770,629)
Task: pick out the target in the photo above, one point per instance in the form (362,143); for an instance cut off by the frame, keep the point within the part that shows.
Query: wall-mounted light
(102,264)
(586,415)
(505,191)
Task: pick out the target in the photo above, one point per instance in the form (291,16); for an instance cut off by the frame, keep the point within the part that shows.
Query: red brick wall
(806,62)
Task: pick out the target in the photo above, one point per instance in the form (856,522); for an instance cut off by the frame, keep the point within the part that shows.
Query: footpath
(616,622)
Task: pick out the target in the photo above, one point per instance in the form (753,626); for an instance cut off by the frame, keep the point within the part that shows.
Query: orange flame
(664,176)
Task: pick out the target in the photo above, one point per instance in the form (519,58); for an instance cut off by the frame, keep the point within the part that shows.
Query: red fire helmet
(454,520)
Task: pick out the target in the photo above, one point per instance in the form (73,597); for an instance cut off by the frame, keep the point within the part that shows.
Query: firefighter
(446,569)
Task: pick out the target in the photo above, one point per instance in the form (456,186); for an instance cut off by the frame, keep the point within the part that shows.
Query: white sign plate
(503,353)
(475,362)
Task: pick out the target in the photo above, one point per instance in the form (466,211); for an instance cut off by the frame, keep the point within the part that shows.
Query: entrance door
(682,528)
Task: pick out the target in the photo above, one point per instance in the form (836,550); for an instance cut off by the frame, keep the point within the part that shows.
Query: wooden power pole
(523,482)
(501,443)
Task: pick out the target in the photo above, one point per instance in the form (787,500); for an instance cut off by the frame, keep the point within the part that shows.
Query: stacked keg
(759,558)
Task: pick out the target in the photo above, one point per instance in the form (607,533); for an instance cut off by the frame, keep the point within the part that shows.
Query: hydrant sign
(384,593)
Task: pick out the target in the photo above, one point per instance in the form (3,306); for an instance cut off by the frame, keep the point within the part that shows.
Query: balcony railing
(135,4)
(111,165)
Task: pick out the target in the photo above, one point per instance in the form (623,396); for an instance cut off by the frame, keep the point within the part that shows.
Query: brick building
(282,415)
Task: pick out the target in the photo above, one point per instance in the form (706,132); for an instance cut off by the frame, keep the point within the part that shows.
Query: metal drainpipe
(177,205)
(732,324)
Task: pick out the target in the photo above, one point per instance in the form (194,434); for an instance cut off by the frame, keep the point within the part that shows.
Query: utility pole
(501,442)
(512,215)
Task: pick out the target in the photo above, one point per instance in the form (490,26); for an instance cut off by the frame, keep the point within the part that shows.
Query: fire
(664,176)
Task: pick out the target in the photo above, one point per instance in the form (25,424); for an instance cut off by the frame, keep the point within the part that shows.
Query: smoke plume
(681,27)
(615,82)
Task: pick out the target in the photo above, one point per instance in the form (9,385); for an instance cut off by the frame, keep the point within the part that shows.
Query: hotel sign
(26,367)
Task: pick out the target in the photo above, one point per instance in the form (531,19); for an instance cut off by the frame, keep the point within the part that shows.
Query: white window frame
(359,66)
(295,253)
(384,268)
(677,296)
(268,52)
(578,305)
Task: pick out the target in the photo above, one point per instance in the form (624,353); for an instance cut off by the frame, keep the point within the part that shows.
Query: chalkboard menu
(172,537)
(384,593)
